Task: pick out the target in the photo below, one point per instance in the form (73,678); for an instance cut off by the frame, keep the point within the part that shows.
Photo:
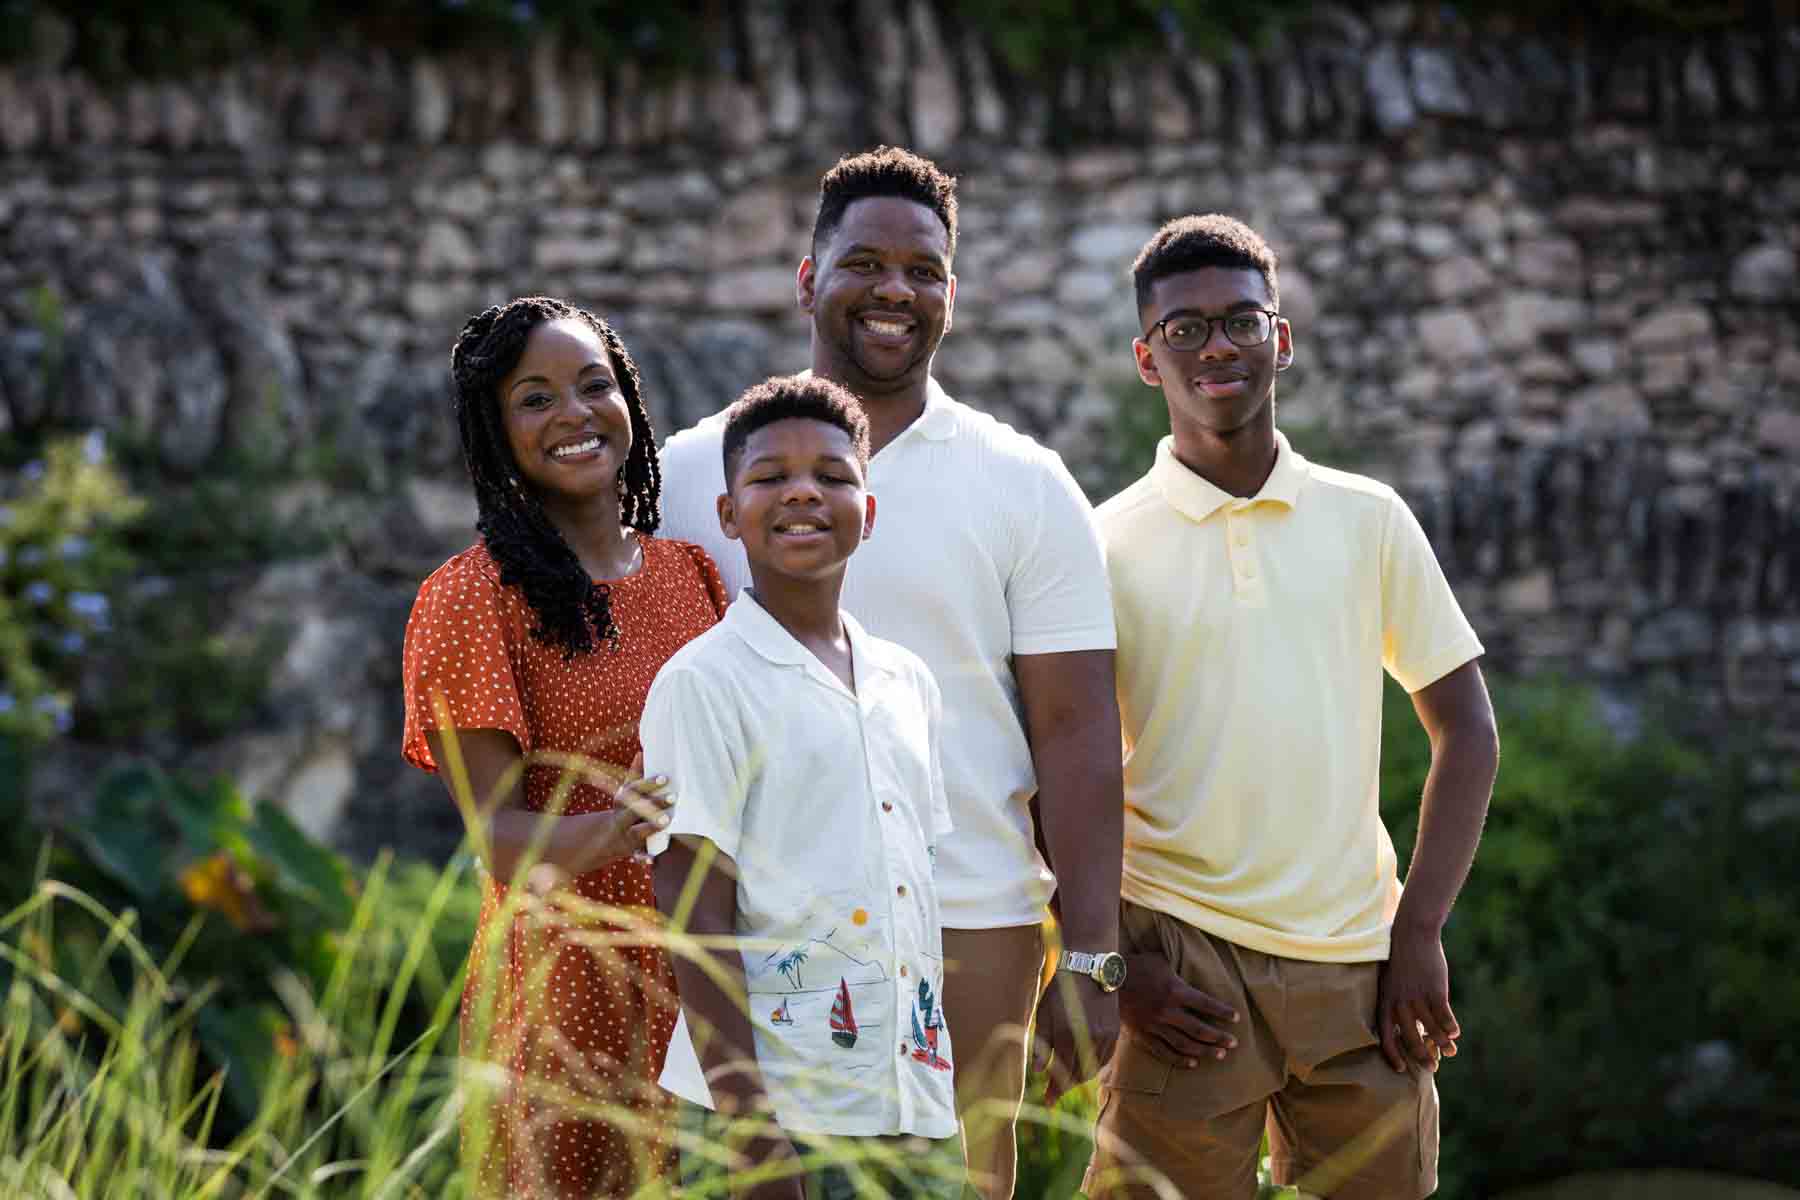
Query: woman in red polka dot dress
(534,648)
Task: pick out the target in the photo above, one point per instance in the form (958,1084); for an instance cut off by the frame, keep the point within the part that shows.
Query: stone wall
(1546,286)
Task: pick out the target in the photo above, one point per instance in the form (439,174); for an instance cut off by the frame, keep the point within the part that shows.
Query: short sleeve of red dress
(462,651)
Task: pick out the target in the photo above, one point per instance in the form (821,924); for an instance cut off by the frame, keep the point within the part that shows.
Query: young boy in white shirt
(805,754)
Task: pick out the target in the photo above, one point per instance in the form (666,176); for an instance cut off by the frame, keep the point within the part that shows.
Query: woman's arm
(574,844)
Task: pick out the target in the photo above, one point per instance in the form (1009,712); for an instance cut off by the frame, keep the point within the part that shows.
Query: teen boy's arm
(1428,646)
(696,890)
(1465,755)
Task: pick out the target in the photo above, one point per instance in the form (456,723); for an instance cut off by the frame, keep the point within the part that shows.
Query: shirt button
(903,972)
(901,889)
(1243,539)
(902,1049)
(887,806)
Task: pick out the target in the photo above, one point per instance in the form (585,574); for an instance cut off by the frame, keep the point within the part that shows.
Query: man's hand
(1412,1008)
(1163,1008)
(1076,1028)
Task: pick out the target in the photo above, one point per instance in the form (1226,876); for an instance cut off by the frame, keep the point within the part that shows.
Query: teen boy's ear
(1146,363)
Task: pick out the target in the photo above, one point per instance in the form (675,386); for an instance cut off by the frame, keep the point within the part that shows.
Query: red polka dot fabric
(571,1027)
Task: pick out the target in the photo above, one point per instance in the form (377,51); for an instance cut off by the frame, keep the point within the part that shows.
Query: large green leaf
(127,835)
(303,871)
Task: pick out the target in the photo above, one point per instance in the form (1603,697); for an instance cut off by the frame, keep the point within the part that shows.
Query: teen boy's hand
(1165,1010)
(1412,1008)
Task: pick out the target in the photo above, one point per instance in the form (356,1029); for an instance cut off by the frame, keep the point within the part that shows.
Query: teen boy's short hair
(1191,243)
(786,397)
(884,171)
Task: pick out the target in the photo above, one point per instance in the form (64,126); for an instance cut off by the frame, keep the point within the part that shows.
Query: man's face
(880,293)
(797,500)
(1216,387)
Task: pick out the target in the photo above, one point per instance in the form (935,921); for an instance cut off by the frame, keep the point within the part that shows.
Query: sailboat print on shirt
(843,1018)
(925,1037)
(781,1015)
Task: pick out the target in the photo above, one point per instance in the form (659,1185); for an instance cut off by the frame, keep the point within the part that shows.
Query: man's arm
(715,997)
(1415,980)
(1072,721)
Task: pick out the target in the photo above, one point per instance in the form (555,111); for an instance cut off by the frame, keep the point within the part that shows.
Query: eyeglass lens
(1250,328)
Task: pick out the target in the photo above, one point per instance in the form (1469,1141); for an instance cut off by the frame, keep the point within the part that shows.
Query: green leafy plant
(62,549)
(1621,955)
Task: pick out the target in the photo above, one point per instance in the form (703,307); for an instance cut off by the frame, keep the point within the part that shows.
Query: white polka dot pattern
(577,1027)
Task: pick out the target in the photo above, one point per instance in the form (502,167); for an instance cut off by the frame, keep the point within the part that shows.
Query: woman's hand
(640,809)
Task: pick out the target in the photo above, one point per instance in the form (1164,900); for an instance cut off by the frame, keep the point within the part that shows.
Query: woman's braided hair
(573,612)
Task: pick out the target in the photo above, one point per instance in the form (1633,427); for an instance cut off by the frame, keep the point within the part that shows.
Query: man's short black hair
(1194,242)
(884,171)
(786,397)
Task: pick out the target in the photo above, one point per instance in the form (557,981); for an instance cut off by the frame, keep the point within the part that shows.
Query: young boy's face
(797,499)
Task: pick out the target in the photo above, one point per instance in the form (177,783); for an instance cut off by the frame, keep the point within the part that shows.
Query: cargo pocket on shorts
(1428,1133)
(1134,1067)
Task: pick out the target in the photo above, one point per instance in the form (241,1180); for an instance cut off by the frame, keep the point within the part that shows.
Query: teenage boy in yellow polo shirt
(1277,976)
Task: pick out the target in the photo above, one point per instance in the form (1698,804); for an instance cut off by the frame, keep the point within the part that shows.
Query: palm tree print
(789,966)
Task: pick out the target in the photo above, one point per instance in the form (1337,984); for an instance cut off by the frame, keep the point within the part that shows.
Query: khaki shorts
(1308,1068)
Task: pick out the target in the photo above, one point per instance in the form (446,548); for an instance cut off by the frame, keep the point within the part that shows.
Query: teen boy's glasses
(1247,327)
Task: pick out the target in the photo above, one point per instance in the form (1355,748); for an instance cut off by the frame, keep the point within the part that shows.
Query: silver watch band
(1079,961)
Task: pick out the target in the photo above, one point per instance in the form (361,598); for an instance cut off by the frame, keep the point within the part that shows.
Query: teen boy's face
(880,293)
(1220,387)
(797,500)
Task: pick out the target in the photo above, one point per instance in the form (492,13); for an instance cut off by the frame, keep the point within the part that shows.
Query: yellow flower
(219,884)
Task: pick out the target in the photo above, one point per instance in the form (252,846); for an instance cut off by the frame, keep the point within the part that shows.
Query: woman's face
(565,416)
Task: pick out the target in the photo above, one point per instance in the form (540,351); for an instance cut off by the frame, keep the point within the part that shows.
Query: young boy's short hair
(884,171)
(787,397)
(1194,242)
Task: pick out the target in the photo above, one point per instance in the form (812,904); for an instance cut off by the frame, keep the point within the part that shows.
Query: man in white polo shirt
(988,566)
(1278,977)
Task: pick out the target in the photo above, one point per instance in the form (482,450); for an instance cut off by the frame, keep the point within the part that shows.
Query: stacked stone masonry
(1547,287)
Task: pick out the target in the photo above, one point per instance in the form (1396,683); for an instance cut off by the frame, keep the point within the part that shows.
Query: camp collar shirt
(829,801)
(984,548)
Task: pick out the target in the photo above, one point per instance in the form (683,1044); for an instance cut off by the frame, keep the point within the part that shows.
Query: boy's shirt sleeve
(1424,634)
(691,735)
(1058,594)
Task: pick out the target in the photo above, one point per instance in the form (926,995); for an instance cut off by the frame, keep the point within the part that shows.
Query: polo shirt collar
(1198,499)
(764,634)
(938,422)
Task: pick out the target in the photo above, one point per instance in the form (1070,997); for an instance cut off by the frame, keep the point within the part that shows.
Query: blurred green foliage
(1621,958)
(244,917)
(63,518)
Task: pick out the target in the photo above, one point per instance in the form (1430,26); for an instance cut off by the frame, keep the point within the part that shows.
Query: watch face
(1112,971)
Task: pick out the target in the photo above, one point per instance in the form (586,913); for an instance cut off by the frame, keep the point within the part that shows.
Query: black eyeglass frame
(1273,315)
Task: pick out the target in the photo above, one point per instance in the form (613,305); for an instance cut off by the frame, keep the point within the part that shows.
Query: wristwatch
(1107,970)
